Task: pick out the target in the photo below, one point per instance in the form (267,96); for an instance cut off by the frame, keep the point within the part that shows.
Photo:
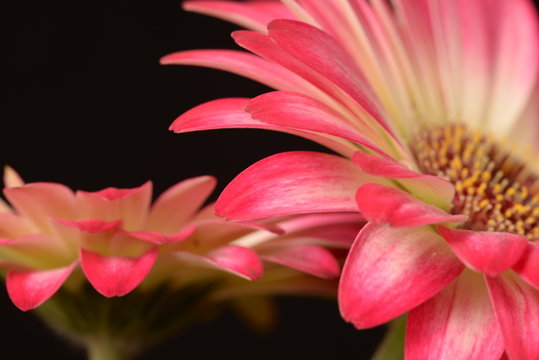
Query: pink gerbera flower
(177,259)
(432,105)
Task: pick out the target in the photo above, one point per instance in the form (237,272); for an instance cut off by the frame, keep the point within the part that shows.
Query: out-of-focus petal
(389,271)
(39,201)
(162,239)
(487,252)
(12,178)
(237,260)
(111,204)
(291,183)
(457,323)
(178,204)
(116,275)
(310,259)
(516,305)
(388,204)
(30,288)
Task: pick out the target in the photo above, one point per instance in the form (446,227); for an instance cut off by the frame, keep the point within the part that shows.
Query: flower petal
(29,289)
(457,323)
(392,270)
(242,63)
(310,259)
(162,239)
(431,189)
(182,200)
(487,252)
(288,183)
(301,112)
(387,204)
(516,305)
(116,275)
(528,265)
(237,260)
(111,204)
(251,14)
(39,201)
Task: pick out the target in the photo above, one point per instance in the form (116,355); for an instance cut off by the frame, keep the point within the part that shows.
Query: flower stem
(104,349)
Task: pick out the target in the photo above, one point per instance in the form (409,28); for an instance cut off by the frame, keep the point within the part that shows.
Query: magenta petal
(29,289)
(162,239)
(311,259)
(487,252)
(516,305)
(457,323)
(392,270)
(431,189)
(237,260)
(116,275)
(291,183)
(387,204)
(528,265)
(91,226)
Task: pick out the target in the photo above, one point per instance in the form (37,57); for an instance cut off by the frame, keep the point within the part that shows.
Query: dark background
(86,104)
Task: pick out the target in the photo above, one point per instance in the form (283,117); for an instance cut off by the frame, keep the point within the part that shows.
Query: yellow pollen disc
(493,187)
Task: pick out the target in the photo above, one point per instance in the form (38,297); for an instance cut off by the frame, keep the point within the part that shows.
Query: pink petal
(310,259)
(111,204)
(244,64)
(457,323)
(29,289)
(528,265)
(251,14)
(12,178)
(178,204)
(91,226)
(288,183)
(389,271)
(116,275)
(321,52)
(230,113)
(516,305)
(39,201)
(431,189)
(237,260)
(301,112)
(487,252)
(387,204)
(162,239)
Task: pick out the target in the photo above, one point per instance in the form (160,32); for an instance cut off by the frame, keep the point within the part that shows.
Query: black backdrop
(86,104)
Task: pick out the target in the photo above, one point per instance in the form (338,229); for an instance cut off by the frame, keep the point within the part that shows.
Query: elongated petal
(12,178)
(115,275)
(29,289)
(291,183)
(162,239)
(431,189)
(528,265)
(516,305)
(457,323)
(317,49)
(39,201)
(250,14)
(389,271)
(230,113)
(182,200)
(129,205)
(237,260)
(242,63)
(304,113)
(487,252)
(311,259)
(387,204)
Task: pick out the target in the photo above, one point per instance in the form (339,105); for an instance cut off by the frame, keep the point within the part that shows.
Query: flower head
(120,240)
(432,104)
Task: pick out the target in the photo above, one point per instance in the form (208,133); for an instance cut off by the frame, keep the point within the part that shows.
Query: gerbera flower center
(493,187)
